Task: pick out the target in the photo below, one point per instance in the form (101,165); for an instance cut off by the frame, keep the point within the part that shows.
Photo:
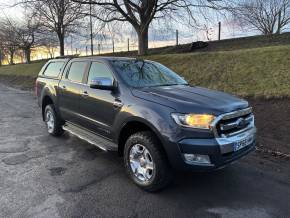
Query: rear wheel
(52,121)
(146,162)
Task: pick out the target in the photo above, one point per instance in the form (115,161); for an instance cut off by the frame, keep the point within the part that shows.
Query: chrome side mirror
(104,83)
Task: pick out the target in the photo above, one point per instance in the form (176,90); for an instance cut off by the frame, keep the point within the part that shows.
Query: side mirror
(104,83)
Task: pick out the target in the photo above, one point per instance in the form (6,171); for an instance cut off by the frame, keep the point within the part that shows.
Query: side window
(53,69)
(76,71)
(99,70)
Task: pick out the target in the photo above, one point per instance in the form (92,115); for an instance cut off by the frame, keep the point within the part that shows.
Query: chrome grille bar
(231,115)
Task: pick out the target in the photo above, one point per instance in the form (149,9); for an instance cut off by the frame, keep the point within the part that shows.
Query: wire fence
(128,45)
(176,37)
(173,38)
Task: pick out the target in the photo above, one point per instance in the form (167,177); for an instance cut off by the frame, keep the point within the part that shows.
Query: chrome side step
(90,137)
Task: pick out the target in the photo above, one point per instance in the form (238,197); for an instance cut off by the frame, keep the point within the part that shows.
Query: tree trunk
(279,25)
(27,52)
(61,44)
(142,41)
(1,58)
(11,61)
(51,55)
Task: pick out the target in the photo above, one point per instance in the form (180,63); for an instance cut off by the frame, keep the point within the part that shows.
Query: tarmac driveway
(43,176)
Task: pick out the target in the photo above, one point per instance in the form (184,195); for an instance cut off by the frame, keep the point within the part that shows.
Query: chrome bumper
(227,144)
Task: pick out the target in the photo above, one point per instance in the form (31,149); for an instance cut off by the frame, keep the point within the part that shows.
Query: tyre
(52,121)
(146,162)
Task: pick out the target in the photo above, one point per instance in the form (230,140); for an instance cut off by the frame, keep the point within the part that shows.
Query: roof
(106,58)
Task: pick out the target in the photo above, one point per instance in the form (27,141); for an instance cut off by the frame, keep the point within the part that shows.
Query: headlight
(198,121)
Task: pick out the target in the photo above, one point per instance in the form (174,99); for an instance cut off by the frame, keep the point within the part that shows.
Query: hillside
(246,72)
(261,71)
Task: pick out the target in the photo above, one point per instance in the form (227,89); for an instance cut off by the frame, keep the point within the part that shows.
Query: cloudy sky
(159,34)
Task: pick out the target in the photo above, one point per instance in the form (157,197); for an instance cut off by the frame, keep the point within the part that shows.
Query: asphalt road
(43,176)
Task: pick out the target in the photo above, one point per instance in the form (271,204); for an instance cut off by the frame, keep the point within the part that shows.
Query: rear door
(49,76)
(97,106)
(69,90)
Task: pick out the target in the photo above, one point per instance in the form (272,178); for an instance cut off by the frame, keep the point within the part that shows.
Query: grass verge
(247,72)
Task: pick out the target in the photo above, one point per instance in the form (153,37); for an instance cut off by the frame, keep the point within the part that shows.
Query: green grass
(21,75)
(246,72)
(30,70)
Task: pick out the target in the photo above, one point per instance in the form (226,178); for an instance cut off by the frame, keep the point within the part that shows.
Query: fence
(128,44)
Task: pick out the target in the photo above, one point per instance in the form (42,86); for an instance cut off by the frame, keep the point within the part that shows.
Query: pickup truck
(147,113)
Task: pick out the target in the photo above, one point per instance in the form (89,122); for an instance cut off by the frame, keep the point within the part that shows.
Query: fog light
(196,159)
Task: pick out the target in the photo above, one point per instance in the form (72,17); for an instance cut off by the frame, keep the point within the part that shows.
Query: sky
(159,34)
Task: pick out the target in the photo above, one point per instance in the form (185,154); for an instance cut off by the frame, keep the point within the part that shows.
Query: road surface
(43,176)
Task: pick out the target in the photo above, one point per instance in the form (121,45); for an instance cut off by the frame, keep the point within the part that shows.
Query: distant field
(255,72)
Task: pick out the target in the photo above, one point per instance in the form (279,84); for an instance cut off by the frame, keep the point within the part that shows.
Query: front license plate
(243,143)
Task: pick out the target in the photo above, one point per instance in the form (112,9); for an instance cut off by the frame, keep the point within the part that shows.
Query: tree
(58,16)
(1,50)
(9,39)
(27,33)
(49,42)
(140,13)
(21,35)
(266,16)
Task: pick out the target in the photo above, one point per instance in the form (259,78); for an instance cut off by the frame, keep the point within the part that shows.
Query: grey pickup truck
(147,113)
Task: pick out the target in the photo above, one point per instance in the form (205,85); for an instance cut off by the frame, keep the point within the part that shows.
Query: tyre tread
(58,131)
(164,176)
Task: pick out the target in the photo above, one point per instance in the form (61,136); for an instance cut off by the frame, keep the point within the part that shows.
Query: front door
(97,106)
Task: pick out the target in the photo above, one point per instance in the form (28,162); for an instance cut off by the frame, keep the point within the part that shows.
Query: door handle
(118,104)
(85,94)
(63,87)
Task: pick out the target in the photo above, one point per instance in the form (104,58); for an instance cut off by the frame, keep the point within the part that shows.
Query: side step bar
(90,137)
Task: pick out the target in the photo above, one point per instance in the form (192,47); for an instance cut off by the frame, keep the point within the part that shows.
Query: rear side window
(53,69)
(76,71)
(99,70)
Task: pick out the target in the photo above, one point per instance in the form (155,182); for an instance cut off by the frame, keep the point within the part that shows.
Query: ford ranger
(147,113)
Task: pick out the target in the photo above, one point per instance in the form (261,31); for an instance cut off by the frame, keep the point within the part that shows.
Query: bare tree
(58,16)
(9,39)
(50,43)
(140,13)
(21,35)
(1,50)
(208,32)
(266,16)
(27,33)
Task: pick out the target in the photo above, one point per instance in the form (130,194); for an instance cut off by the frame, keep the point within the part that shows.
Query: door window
(99,70)
(76,71)
(53,69)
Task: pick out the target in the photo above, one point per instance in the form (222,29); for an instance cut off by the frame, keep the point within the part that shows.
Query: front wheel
(146,162)
(52,121)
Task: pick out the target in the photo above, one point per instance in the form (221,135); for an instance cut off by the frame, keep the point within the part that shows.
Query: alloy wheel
(141,163)
(49,121)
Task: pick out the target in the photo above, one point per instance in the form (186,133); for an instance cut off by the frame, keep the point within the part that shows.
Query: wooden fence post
(176,37)
(220,27)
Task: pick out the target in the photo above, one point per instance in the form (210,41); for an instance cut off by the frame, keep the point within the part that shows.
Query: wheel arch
(133,126)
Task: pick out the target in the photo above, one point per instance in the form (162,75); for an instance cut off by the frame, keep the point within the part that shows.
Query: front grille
(235,122)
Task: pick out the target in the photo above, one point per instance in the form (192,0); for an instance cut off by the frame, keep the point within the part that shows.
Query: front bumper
(220,150)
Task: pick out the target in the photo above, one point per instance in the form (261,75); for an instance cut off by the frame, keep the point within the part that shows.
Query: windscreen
(139,73)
